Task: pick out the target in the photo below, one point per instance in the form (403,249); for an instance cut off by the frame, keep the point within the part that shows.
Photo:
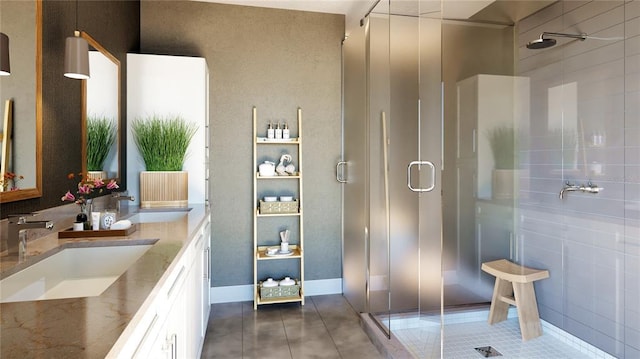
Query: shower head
(541,43)
(544,42)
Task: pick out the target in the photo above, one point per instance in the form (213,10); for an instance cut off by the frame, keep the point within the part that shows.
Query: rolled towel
(123,224)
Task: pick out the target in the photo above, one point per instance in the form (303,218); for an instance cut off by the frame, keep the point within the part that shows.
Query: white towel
(123,224)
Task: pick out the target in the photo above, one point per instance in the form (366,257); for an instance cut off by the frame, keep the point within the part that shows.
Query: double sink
(80,271)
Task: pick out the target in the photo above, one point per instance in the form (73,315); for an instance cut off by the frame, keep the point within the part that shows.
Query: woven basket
(278,207)
(280,291)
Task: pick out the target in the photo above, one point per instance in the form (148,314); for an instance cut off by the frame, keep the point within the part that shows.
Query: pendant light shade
(5,68)
(76,57)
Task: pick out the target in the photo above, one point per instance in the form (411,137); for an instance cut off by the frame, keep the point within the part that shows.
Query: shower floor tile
(461,340)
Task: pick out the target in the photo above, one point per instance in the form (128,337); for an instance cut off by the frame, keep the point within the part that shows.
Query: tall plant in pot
(101,135)
(162,142)
(502,140)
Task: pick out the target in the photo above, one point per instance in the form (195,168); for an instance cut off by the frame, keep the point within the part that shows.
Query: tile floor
(325,327)
(466,331)
(462,339)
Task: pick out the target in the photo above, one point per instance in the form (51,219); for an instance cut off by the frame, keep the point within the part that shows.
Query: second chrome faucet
(588,188)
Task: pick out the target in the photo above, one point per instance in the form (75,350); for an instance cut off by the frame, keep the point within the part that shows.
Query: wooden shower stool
(514,286)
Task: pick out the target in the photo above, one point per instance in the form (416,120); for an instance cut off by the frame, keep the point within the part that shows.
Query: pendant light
(5,68)
(76,55)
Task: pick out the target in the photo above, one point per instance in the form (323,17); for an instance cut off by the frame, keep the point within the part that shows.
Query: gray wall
(590,243)
(277,60)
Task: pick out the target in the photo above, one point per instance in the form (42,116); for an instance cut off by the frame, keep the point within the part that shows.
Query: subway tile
(632,27)
(632,10)
(631,351)
(632,108)
(632,45)
(590,10)
(541,17)
(597,64)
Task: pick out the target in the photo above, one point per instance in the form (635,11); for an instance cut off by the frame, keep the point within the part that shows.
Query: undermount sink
(71,273)
(156,217)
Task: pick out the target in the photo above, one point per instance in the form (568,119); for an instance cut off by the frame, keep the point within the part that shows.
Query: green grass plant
(101,135)
(163,141)
(502,141)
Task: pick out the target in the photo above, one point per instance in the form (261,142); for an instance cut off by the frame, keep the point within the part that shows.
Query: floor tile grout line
(285,332)
(327,329)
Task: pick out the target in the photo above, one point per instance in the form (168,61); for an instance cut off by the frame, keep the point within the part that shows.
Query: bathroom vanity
(157,307)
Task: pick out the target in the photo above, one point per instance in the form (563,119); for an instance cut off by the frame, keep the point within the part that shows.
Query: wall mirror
(22,22)
(101,113)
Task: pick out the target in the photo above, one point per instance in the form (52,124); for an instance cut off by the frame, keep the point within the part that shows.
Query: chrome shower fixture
(588,188)
(544,42)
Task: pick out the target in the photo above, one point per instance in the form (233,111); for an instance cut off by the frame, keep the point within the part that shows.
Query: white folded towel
(123,224)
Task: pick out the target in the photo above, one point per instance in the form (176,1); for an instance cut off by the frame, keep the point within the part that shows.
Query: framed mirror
(101,113)
(22,22)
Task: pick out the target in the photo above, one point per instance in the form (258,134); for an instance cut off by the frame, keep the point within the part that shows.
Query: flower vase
(85,214)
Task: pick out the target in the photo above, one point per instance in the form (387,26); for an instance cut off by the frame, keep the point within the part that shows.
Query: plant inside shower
(502,140)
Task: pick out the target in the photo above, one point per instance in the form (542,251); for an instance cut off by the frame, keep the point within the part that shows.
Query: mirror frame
(96,45)
(28,193)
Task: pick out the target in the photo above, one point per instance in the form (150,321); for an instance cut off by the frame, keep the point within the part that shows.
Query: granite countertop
(88,327)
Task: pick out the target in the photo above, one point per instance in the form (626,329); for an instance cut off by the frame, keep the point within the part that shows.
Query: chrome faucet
(17,239)
(588,188)
(118,197)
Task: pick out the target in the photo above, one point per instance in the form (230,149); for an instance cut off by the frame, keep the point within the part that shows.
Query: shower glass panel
(355,198)
(379,112)
(482,101)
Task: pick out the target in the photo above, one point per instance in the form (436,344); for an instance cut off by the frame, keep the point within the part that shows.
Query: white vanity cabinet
(172,321)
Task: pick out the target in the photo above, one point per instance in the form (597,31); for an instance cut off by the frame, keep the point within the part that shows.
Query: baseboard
(242,293)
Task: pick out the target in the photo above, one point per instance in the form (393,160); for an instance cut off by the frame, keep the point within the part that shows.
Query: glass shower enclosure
(424,89)
(458,141)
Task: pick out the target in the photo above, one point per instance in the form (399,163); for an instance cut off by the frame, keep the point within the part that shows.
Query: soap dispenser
(270,132)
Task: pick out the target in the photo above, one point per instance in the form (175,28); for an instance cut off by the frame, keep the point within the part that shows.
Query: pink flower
(84,188)
(98,182)
(88,189)
(68,196)
(112,184)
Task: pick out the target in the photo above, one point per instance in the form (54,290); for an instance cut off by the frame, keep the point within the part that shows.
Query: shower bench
(514,286)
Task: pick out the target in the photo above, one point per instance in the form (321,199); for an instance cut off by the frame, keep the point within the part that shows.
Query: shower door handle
(433,176)
(339,178)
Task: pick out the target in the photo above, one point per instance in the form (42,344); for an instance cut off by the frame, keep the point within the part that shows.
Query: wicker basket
(278,207)
(280,291)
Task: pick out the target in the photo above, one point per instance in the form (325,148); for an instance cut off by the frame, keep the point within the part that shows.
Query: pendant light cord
(76,15)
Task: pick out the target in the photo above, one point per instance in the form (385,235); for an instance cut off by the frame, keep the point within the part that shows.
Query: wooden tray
(70,233)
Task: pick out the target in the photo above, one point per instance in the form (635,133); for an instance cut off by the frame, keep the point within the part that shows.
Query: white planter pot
(92,175)
(164,189)
(503,184)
